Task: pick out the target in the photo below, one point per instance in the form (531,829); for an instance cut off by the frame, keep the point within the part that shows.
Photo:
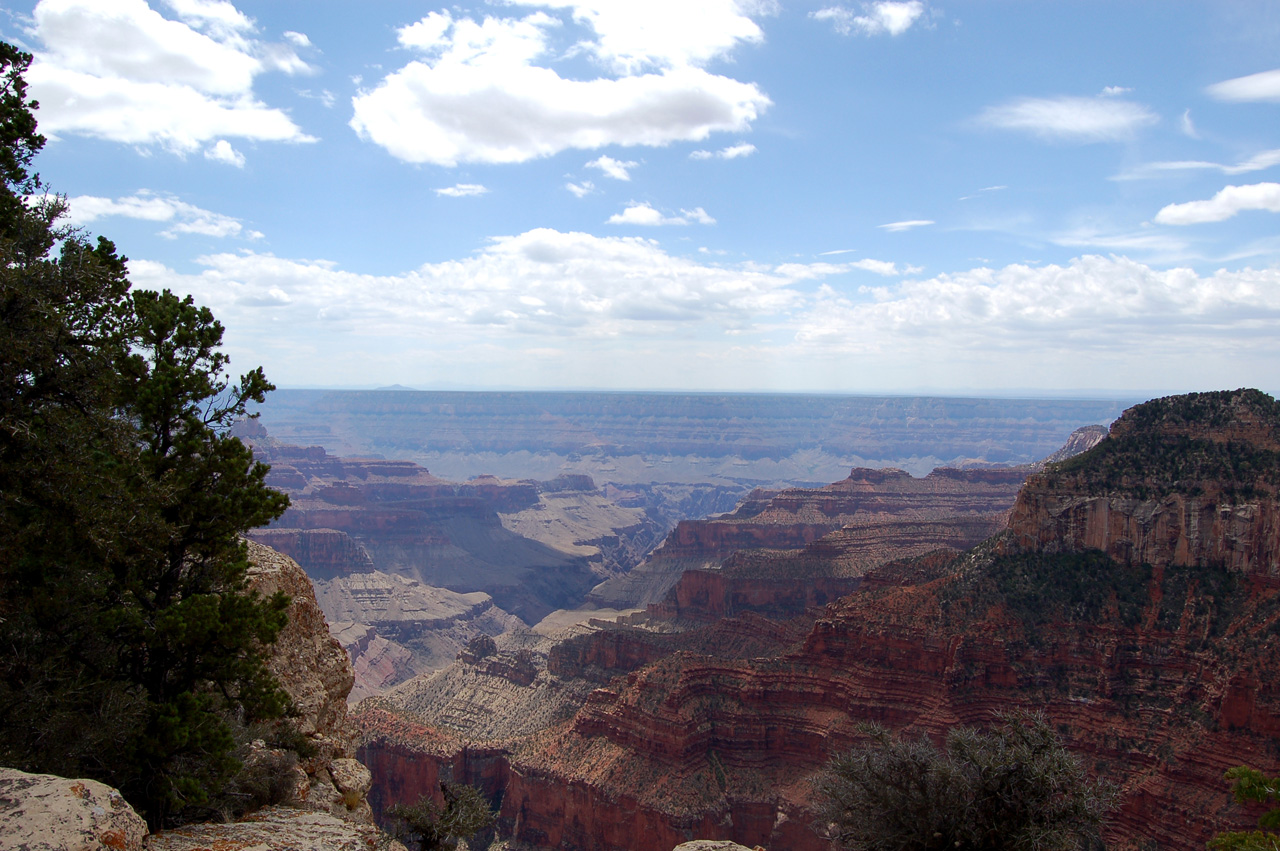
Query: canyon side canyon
(1130,592)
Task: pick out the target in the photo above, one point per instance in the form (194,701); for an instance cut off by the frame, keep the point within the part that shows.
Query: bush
(1012,787)
(427,827)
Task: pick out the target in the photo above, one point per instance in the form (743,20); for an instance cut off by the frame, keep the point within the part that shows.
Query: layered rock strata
(887,513)
(1153,659)
(1201,490)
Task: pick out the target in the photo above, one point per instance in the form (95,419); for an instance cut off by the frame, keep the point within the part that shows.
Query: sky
(980,196)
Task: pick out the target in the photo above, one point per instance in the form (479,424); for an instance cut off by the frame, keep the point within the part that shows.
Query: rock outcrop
(348,516)
(314,670)
(277,829)
(40,812)
(1186,480)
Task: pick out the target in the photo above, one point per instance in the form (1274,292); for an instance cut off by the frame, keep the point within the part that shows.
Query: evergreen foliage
(1012,788)
(428,826)
(1157,454)
(130,645)
(1249,785)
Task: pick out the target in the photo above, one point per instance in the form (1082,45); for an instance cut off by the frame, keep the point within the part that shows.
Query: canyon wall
(1153,654)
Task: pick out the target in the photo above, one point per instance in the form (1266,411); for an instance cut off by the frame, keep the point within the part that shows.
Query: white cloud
(733,152)
(539,282)
(1188,126)
(150,206)
(1091,303)
(118,70)
(633,37)
(477,95)
(1224,205)
(645,215)
(613,297)
(462,190)
(617,169)
(221,151)
(894,227)
(1072,119)
(300,39)
(1114,91)
(582,189)
(1264,86)
(893,18)
(1257,162)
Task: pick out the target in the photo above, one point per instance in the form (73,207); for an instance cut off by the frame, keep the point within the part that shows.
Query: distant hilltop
(656,437)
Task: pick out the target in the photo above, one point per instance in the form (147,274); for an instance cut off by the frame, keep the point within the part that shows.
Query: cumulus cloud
(582,189)
(895,227)
(657,34)
(462,190)
(478,94)
(119,70)
(892,18)
(613,297)
(222,152)
(733,152)
(1224,205)
(150,206)
(1264,86)
(617,169)
(1071,119)
(646,215)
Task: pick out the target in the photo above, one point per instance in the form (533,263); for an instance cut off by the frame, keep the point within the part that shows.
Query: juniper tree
(1012,788)
(129,644)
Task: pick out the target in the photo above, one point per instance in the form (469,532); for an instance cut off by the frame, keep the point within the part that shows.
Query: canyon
(1133,597)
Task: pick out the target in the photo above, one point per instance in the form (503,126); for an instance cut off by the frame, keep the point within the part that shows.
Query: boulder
(40,812)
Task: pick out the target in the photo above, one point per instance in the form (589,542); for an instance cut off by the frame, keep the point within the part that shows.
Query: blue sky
(956,197)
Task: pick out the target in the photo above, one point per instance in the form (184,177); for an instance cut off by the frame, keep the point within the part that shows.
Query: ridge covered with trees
(131,650)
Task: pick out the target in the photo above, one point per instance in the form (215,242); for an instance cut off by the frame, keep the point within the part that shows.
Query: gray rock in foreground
(40,812)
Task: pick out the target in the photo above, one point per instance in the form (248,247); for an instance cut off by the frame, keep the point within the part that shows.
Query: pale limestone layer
(277,829)
(40,812)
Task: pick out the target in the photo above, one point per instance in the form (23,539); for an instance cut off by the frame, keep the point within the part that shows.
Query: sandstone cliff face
(1187,480)
(349,516)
